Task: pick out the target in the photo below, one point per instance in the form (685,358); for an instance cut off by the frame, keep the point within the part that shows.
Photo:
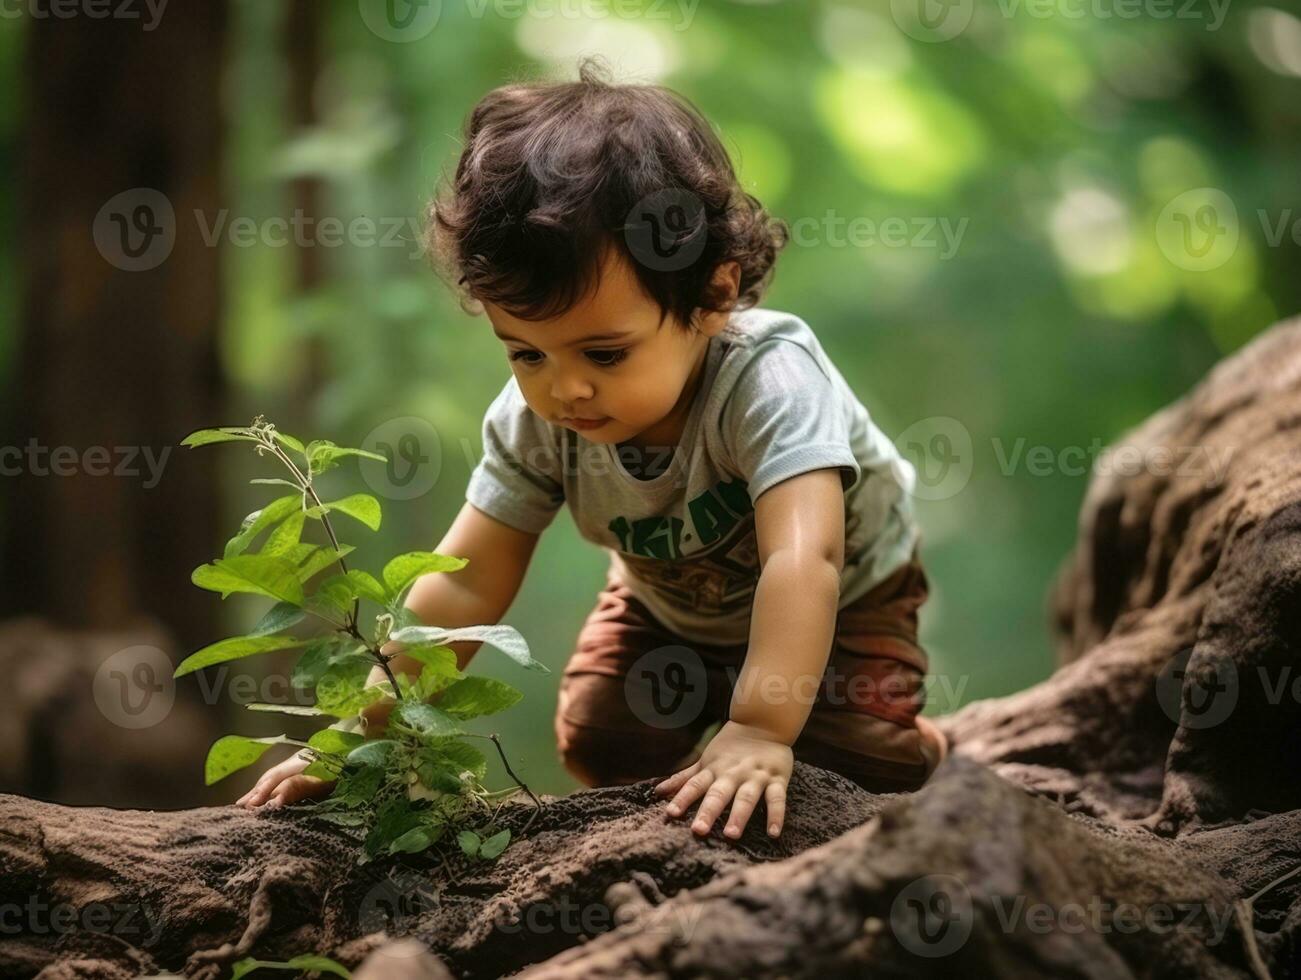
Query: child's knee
(602,743)
(602,757)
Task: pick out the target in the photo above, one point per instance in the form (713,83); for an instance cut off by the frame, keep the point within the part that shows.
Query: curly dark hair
(553,174)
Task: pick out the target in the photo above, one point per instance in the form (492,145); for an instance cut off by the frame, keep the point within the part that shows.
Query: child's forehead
(616,304)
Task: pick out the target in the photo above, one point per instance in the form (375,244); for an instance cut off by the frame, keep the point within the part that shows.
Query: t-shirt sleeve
(518,479)
(785,417)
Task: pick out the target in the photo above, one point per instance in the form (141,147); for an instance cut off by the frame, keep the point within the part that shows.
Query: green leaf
(343,688)
(403,616)
(423,719)
(420,688)
(435,677)
(434,655)
(206,437)
(299,553)
(233,649)
(475,696)
(335,594)
(276,481)
(358,787)
(469,841)
(260,520)
(285,537)
(414,840)
(442,778)
(373,753)
(335,742)
(257,574)
(279,617)
(395,817)
(405,569)
(361,506)
(355,583)
(507,639)
(285,439)
(343,700)
(440,765)
(323,455)
(285,709)
(322,560)
(323,964)
(324,654)
(321,770)
(494,845)
(460,755)
(231,753)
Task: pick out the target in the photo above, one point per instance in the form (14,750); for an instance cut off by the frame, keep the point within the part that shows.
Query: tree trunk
(117,358)
(1133,815)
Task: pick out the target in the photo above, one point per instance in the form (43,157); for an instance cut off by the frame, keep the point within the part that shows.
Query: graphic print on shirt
(717,577)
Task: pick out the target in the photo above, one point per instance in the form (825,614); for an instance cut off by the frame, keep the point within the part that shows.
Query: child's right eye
(523,355)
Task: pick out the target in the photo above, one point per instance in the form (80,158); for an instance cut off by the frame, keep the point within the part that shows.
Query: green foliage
(404,791)
(310,961)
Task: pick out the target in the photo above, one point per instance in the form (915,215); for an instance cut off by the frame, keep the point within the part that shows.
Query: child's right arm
(497,556)
(480,593)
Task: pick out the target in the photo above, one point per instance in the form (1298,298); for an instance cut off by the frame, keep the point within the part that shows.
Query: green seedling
(319,964)
(421,782)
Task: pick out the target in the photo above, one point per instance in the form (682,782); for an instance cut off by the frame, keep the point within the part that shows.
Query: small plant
(423,780)
(319,964)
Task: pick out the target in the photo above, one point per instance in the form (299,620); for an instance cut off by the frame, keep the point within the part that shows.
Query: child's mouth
(585,423)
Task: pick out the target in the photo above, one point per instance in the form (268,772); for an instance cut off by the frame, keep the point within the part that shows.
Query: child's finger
(746,798)
(674,782)
(690,792)
(296,788)
(719,795)
(271,779)
(775,798)
(258,794)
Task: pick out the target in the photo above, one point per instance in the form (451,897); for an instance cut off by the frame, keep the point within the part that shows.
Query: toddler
(764,570)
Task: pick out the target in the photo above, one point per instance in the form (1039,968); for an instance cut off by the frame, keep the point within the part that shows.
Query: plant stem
(306,484)
(350,624)
(496,740)
(380,659)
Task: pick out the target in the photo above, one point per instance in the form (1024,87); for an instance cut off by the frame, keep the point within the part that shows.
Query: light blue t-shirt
(771,405)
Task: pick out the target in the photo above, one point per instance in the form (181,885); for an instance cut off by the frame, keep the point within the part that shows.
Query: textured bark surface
(1137,814)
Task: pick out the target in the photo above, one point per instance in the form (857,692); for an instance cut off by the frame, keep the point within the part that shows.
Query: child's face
(609,358)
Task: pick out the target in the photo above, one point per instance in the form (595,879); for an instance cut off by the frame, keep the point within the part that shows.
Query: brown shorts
(635,698)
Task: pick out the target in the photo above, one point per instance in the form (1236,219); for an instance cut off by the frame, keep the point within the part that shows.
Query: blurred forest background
(1021,226)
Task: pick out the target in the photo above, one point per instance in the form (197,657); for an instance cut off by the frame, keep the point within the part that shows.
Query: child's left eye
(612,357)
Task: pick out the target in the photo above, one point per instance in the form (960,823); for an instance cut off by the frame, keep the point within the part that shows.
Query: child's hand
(740,762)
(284,784)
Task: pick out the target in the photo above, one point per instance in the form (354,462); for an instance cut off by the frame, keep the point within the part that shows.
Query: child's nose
(570,390)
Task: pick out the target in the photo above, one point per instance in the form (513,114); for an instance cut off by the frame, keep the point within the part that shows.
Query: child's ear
(724,286)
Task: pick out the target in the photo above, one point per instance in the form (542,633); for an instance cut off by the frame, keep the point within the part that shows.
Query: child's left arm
(800,530)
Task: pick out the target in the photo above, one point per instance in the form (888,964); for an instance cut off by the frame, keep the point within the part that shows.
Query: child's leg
(634,698)
(866,723)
